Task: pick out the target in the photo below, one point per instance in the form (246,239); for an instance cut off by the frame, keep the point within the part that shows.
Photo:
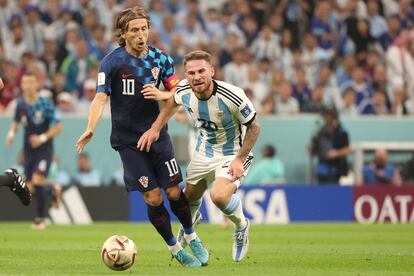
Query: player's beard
(202,89)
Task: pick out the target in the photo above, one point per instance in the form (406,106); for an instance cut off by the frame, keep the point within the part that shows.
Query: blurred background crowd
(290,56)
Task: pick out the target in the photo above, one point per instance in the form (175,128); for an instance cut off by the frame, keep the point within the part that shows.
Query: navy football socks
(181,209)
(160,218)
(41,201)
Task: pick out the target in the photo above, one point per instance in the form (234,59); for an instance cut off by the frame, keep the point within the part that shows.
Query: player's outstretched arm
(150,92)
(1,84)
(252,133)
(95,113)
(151,135)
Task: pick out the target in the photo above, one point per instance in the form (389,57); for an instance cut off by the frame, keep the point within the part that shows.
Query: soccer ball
(118,252)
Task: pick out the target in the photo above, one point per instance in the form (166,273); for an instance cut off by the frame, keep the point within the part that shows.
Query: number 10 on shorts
(172,167)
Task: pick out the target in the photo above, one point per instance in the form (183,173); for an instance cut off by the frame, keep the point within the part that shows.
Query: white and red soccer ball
(119,252)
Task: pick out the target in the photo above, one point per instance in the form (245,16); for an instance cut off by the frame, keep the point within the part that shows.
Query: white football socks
(234,211)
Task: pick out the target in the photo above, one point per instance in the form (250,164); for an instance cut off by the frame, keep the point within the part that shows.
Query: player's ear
(212,71)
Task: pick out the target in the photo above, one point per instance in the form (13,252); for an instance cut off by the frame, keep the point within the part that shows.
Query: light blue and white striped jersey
(220,119)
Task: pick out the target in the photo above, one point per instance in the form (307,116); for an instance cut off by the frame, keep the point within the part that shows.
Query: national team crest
(143,180)
(38,117)
(155,72)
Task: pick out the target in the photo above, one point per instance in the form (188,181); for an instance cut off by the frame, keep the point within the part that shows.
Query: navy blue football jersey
(36,119)
(122,76)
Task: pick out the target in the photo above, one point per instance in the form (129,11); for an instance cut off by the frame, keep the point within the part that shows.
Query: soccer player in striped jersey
(41,123)
(228,130)
(130,75)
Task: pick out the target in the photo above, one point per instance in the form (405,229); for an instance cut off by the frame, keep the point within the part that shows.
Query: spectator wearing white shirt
(16,42)
(266,45)
(331,95)
(228,26)
(285,103)
(235,72)
(400,106)
(193,33)
(260,90)
(349,107)
(399,60)
(310,58)
(35,28)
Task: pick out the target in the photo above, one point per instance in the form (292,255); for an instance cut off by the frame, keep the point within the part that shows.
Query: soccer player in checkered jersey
(228,130)
(130,75)
(41,123)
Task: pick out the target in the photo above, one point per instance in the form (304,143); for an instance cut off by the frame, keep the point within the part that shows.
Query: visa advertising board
(282,205)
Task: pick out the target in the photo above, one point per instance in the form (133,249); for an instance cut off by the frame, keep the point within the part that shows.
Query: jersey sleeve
(179,92)
(245,112)
(103,83)
(177,98)
(168,76)
(18,112)
(53,114)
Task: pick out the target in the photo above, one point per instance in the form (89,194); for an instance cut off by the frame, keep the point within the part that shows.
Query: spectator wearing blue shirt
(375,106)
(320,26)
(300,88)
(394,28)
(379,171)
(377,23)
(363,89)
(268,170)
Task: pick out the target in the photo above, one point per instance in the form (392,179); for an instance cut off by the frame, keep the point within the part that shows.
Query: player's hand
(147,139)
(332,154)
(9,140)
(236,168)
(35,141)
(150,92)
(83,140)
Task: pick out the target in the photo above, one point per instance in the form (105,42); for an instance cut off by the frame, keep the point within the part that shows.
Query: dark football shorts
(37,161)
(145,171)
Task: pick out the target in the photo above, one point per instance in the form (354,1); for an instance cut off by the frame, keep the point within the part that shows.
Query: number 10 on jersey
(172,167)
(128,87)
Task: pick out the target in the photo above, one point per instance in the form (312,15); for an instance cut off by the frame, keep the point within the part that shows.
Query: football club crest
(155,72)
(143,180)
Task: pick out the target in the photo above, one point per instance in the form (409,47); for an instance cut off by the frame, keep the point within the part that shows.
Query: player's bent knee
(153,197)
(173,193)
(220,199)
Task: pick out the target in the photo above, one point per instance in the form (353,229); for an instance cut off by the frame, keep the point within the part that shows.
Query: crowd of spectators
(290,56)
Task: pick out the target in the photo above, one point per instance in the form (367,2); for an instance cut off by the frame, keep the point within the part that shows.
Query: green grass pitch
(294,249)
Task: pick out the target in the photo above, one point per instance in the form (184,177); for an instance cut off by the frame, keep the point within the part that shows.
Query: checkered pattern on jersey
(36,118)
(120,64)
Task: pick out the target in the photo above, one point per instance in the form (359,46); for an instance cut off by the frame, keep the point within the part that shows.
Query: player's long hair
(123,19)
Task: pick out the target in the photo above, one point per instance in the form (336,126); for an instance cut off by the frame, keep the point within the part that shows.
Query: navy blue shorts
(145,171)
(37,161)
